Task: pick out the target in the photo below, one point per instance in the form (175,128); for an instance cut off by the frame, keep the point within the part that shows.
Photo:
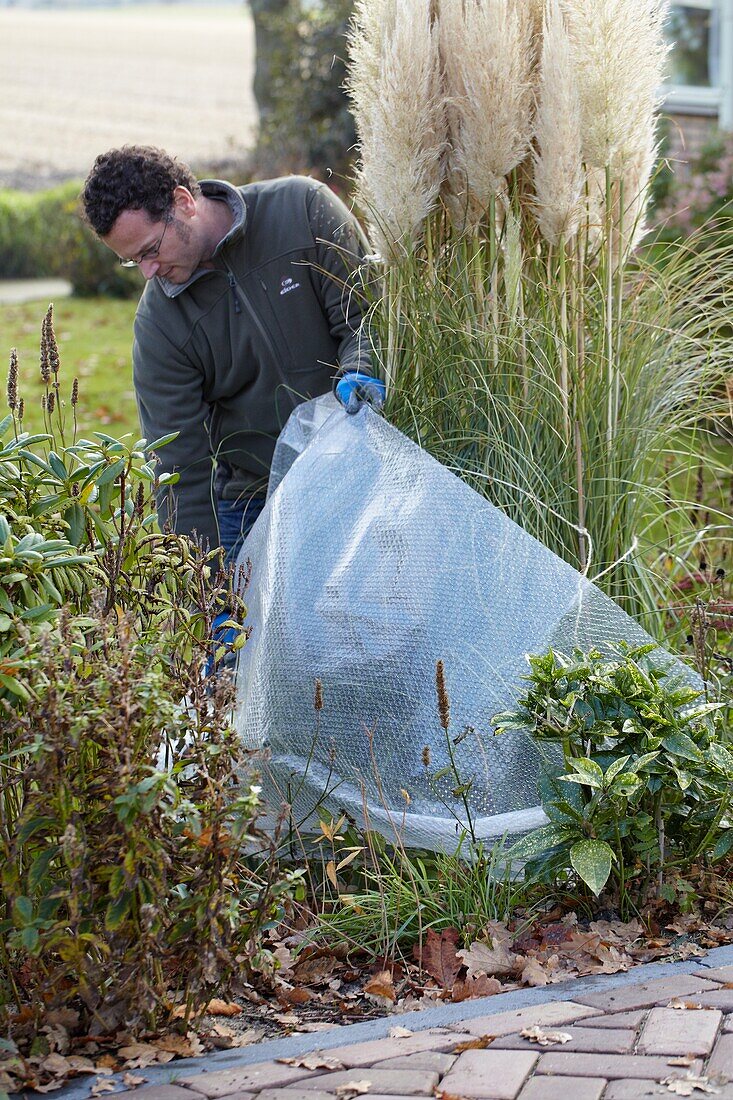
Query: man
(253,304)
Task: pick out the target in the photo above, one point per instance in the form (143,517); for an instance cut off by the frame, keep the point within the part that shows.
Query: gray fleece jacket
(224,358)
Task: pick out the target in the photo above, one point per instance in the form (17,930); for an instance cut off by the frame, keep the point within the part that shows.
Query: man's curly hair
(135,177)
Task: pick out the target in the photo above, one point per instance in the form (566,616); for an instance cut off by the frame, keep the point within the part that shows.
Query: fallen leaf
(535,1034)
(315,970)
(380,989)
(285,1018)
(56,1064)
(352,1088)
(217,1007)
(102,1085)
(51,1086)
(439,957)
(139,1055)
(481,1043)
(685,1006)
(225,1037)
(533,973)
(477,985)
(683,1060)
(685,1086)
(132,1080)
(479,958)
(293,995)
(400,1032)
(313,1061)
(185,1046)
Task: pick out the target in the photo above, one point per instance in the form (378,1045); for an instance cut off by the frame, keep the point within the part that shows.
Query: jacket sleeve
(169,391)
(340,276)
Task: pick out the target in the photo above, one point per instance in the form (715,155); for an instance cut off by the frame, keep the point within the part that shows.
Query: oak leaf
(380,989)
(439,957)
(479,958)
(477,985)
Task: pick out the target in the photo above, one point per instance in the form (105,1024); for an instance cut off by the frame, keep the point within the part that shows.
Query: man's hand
(356,387)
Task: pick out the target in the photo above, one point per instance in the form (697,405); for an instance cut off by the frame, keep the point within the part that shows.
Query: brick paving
(623,1043)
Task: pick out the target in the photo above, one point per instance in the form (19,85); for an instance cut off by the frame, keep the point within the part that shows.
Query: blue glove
(355,387)
(224,636)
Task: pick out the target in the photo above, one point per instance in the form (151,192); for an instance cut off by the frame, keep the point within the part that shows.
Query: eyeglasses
(150,253)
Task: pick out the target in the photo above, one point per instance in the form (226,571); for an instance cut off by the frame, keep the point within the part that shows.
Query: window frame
(715,101)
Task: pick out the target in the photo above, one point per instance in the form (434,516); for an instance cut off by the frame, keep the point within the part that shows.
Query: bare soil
(75,83)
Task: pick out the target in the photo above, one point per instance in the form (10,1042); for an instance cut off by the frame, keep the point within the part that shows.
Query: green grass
(94,337)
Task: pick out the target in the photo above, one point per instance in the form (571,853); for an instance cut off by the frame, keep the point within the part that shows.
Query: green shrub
(128,816)
(42,235)
(644,782)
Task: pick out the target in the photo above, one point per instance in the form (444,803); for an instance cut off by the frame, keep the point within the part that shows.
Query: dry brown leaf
(533,973)
(480,1043)
(55,1064)
(380,989)
(284,956)
(479,958)
(50,1086)
(352,1088)
(185,1046)
(217,1007)
(315,1060)
(132,1080)
(315,970)
(225,1037)
(683,1060)
(536,1034)
(684,1006)
(480,985)
(439,957)
(138,1055)
(101,1085)
(294,995)
(685,1086)
(286,1018)
(400,1032)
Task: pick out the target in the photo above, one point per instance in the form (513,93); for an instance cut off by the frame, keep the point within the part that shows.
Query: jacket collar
(213,189)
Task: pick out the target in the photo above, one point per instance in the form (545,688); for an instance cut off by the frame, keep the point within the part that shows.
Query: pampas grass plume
(486,47)
(399,110)
(620,53)
(558,167)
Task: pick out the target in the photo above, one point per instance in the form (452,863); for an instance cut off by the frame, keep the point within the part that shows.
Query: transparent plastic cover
(369,563)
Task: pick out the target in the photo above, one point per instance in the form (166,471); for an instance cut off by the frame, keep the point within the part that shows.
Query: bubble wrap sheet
(369,563)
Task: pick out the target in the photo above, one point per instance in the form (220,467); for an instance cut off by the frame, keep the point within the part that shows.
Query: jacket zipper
(256,319)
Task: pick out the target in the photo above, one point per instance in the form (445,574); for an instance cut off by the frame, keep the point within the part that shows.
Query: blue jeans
(236,519)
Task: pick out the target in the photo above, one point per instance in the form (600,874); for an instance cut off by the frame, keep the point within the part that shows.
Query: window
(701,62)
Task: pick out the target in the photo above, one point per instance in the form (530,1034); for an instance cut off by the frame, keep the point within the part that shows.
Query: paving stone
(261,1075)
(548,1015)
(166,1092)
(721,974)
(391,1082)
(721,1060)
(287,1094)
(563,1088)
(640,1090)
(728,1023)
(612,1066)
(489,1074)
(716,998)
(617,1019)
(428,1059)
(633,1089)
(613,1041)
(377,1050)
(675,1031)
(643,994)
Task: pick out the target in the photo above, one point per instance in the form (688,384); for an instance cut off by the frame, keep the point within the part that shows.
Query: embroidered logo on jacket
(287,285)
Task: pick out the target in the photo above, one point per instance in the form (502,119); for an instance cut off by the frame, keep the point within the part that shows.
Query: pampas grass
(526,345)
(487,54)
(395,88)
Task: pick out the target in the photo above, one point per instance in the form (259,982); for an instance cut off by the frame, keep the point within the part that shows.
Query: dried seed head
(443,700)
(53,349)
(21,408)
(426,756)
(318,697)
(13,380)
(406,796)
(44,360)
(140,500)
(51,402)
(75,391)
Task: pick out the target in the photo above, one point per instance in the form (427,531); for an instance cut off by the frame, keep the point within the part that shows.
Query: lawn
(94,337)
